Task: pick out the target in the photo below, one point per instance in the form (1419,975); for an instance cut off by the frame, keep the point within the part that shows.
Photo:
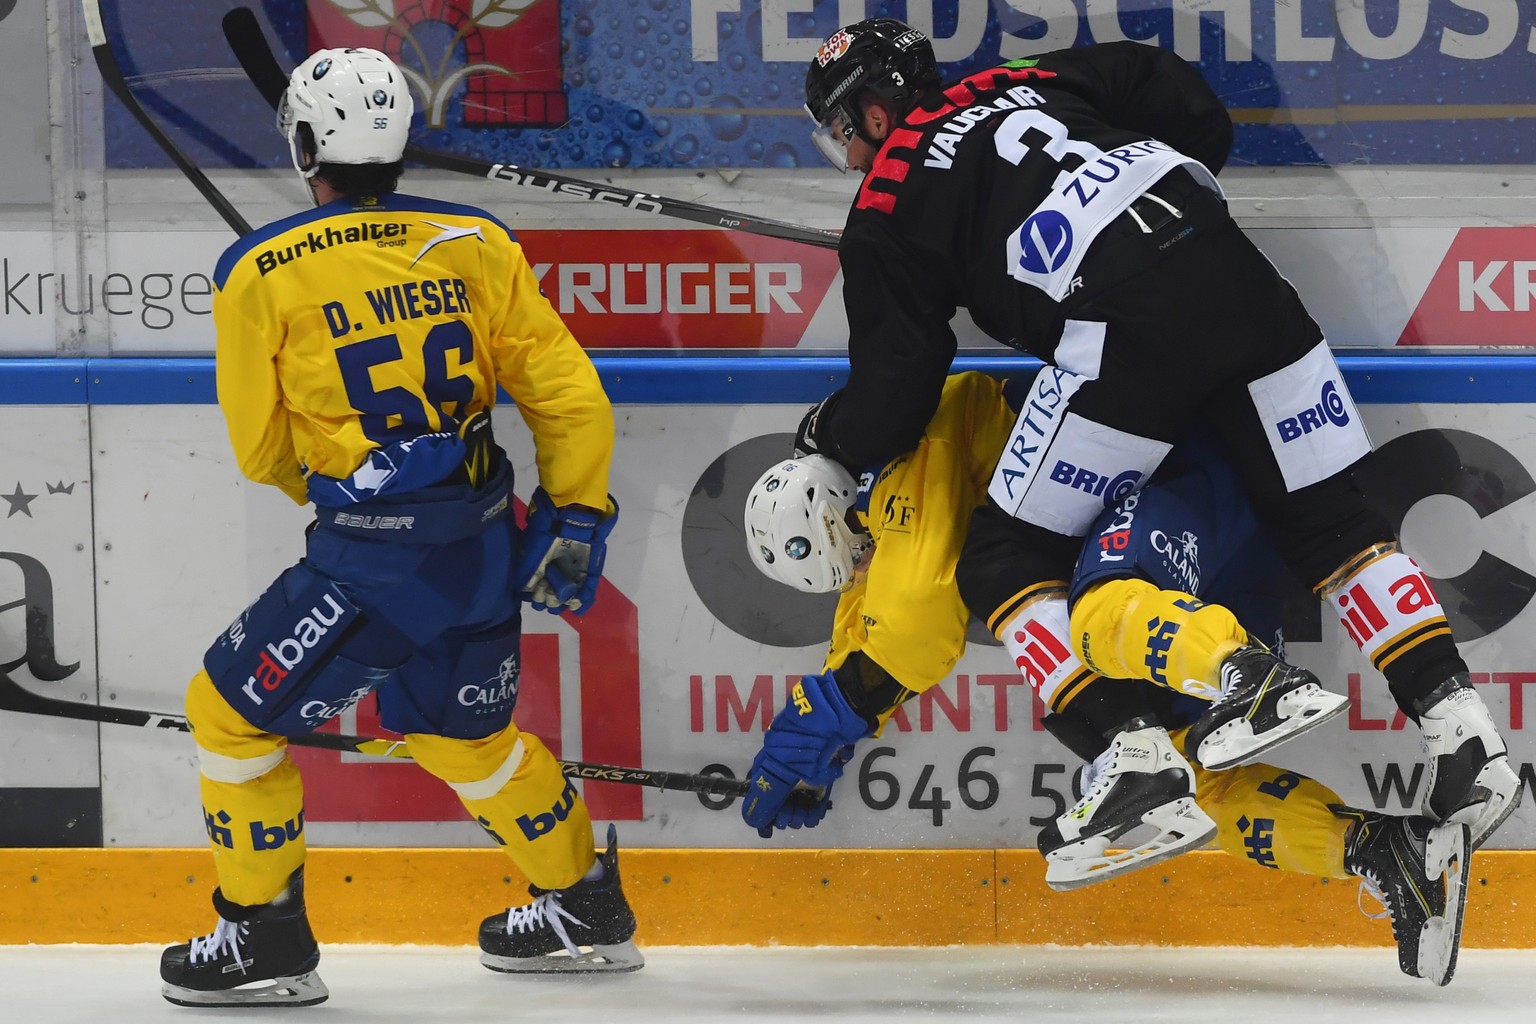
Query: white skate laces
(1371,886)
(226,935)
(1094,774)
(545,910)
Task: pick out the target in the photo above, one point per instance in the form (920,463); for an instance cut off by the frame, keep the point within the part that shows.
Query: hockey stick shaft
(243,33)
(15,697)
(112,77)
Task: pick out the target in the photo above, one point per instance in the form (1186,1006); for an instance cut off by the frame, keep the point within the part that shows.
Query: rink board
(741,897)
(129,540)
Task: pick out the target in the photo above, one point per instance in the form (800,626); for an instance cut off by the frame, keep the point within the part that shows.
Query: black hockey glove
(807,440)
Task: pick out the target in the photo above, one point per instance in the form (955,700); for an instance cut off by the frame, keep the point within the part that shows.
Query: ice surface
(373,984)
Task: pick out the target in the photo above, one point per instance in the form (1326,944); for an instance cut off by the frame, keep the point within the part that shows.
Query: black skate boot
(1263,702)
(1140,780)
(257,956)
(586,928)
(1418,870)
(1470,780)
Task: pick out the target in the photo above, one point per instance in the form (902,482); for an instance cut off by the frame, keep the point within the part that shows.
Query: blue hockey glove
(560,554)
(805,747)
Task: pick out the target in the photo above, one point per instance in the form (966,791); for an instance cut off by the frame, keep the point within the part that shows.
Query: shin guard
(1388,608)
(1037,640)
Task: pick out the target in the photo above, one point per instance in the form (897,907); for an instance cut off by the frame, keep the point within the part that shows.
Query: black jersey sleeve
(1145,88)
(870,689)
(900,346)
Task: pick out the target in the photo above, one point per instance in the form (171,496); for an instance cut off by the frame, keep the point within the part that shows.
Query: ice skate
(1418,870)
(586,928)
(1140,780)
(256,956)
(1470,780)
(1263,702)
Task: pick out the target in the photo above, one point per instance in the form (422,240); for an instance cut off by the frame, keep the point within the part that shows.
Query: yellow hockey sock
(1275,818)
(1131,629)
(253,798)
(512,785)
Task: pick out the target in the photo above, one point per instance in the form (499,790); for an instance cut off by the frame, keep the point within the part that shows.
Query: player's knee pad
(1389,609)
(1274,818)
(223,734)
(1036,638)
(281,663)
(1130,629)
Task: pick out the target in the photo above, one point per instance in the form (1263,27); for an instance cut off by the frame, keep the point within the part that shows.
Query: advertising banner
(690,651)
(685,290)
(719,83)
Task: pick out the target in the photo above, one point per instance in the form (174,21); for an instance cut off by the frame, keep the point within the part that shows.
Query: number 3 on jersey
(1036,141)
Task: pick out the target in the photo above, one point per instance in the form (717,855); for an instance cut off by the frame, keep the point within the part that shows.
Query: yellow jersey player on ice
(360,345)
(891,542)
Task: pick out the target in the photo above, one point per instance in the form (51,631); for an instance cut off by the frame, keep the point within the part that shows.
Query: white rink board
(47,611)
(182,544)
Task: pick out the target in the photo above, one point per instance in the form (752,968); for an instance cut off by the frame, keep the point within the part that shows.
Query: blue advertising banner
(718,83)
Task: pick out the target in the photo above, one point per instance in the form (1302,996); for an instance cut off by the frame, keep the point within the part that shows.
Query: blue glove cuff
(571,522)
(817,704)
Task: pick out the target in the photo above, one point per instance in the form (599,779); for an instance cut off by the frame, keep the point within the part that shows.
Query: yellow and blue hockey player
(360,345)
(891,541)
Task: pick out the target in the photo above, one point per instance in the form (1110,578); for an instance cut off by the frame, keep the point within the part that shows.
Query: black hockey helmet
(883,55)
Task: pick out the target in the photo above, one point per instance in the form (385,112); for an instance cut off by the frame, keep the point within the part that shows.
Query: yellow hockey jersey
(367,322)
(905,613)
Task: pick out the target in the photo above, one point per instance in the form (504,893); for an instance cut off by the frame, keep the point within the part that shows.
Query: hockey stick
(243,33)
(15,697)
(112,76)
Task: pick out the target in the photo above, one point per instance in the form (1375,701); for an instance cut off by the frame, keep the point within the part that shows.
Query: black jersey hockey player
(1069,204)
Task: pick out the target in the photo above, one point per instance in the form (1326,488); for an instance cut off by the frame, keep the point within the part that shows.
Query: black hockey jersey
(987,197)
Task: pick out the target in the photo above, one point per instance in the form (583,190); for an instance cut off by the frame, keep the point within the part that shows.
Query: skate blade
(1448,849)
(1234,743)
(613,958)
(1181,826)
(295,990)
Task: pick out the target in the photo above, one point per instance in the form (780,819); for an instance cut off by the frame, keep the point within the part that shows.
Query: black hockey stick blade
(248,43)
(112,77)
(17,698)
(243,33)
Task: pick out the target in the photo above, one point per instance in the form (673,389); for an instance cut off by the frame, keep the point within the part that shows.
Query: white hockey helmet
(357,105)
(797,525)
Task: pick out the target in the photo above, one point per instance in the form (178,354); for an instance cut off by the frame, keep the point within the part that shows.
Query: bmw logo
(380,97)
(771,485)
(767,555)
(797,548)
(321,68)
